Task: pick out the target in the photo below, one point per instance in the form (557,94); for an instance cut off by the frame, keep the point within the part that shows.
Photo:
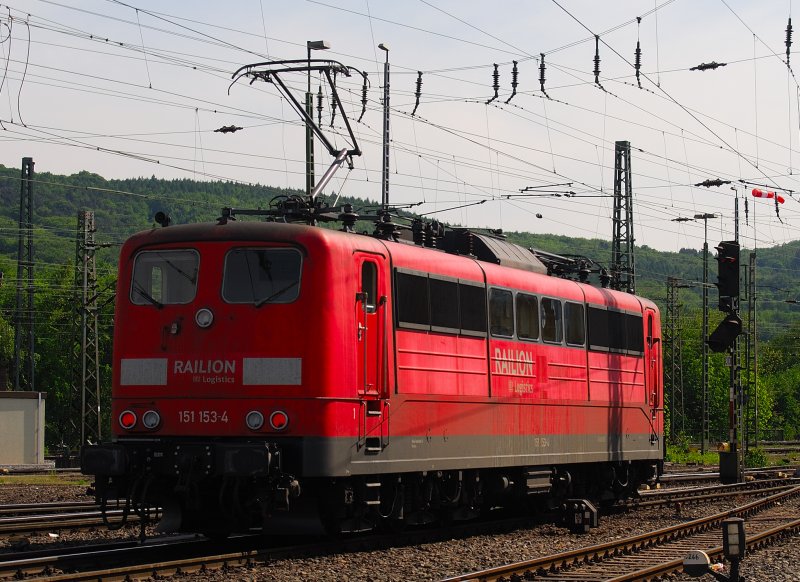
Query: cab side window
(552,321)
(527,316)
(501,312)
(369,285)
(575,323)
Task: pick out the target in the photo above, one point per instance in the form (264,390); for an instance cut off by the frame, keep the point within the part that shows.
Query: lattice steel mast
(622,261)
(751,361)
(23,315)
(673,360)
(86,389)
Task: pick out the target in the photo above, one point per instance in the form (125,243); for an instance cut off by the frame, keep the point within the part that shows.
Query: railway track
(53,507)
(654,554)
(51,564)
(682,478)
(20,519)
(680,496)
(167,555)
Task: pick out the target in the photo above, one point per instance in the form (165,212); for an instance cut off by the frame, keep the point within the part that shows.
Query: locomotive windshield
(164,277)
(259,276)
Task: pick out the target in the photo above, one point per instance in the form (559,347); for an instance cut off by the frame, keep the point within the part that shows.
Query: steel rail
(56,506)
(618,547)
(754,542)
(40,565)
(158,558)
(163,569)
(147,565)
(702,494)
(36,523)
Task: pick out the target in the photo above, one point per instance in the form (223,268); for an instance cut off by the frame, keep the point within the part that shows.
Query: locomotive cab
(250,360)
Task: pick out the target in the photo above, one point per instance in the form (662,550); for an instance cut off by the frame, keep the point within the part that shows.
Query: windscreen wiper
(178,269)
(269,298)
(148,297)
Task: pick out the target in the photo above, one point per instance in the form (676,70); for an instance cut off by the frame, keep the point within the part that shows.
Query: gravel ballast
(431,561)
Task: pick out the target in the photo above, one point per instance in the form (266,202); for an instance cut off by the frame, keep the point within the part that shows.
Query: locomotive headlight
(127,419)
(279,420)
(151,419)
(254,420)
(204,317)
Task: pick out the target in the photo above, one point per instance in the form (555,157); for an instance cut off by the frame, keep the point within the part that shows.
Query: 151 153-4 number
(202,416)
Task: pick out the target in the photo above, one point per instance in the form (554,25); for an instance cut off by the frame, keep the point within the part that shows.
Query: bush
(680,442)
(755,458)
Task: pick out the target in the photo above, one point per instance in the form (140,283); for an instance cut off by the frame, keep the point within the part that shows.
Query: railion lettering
(513,362)
(204,367)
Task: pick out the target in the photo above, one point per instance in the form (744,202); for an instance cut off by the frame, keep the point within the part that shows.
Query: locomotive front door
(371,357)
(653,363)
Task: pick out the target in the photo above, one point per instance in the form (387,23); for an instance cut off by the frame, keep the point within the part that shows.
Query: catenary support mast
(23,315)
(86,389)
(622,261)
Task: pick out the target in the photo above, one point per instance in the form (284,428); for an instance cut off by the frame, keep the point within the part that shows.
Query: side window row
(450,305)
(440,304)
(546,319)
(615,331)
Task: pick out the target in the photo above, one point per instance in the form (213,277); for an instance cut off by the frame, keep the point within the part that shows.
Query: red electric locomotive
(260,364)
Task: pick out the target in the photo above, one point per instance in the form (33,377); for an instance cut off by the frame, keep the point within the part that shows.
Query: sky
(137,88)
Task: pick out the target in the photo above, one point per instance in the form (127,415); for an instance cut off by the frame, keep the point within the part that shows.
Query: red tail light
(127,419)
(279,420)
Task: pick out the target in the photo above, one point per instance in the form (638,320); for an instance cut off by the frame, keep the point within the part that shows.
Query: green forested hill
(777,274)
(123,207)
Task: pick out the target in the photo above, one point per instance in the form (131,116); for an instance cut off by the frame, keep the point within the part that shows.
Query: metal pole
(705,428)
(752,360)
(704,421)
(385,169)
(737,426)
(315,45)
(669,349)
(83,217)
(23,323)
(309,133)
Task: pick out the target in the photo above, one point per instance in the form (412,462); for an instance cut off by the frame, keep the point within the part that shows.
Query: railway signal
(726,333)
(728,275)
(730,328)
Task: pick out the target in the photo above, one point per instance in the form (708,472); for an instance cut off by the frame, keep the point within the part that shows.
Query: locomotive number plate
(202,416)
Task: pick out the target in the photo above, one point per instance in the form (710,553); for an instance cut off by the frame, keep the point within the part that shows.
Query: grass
(784,459)
(691,456)
(46,479)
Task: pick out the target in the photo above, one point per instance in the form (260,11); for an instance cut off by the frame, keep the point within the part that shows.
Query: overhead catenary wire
(667,94)
(549,119)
